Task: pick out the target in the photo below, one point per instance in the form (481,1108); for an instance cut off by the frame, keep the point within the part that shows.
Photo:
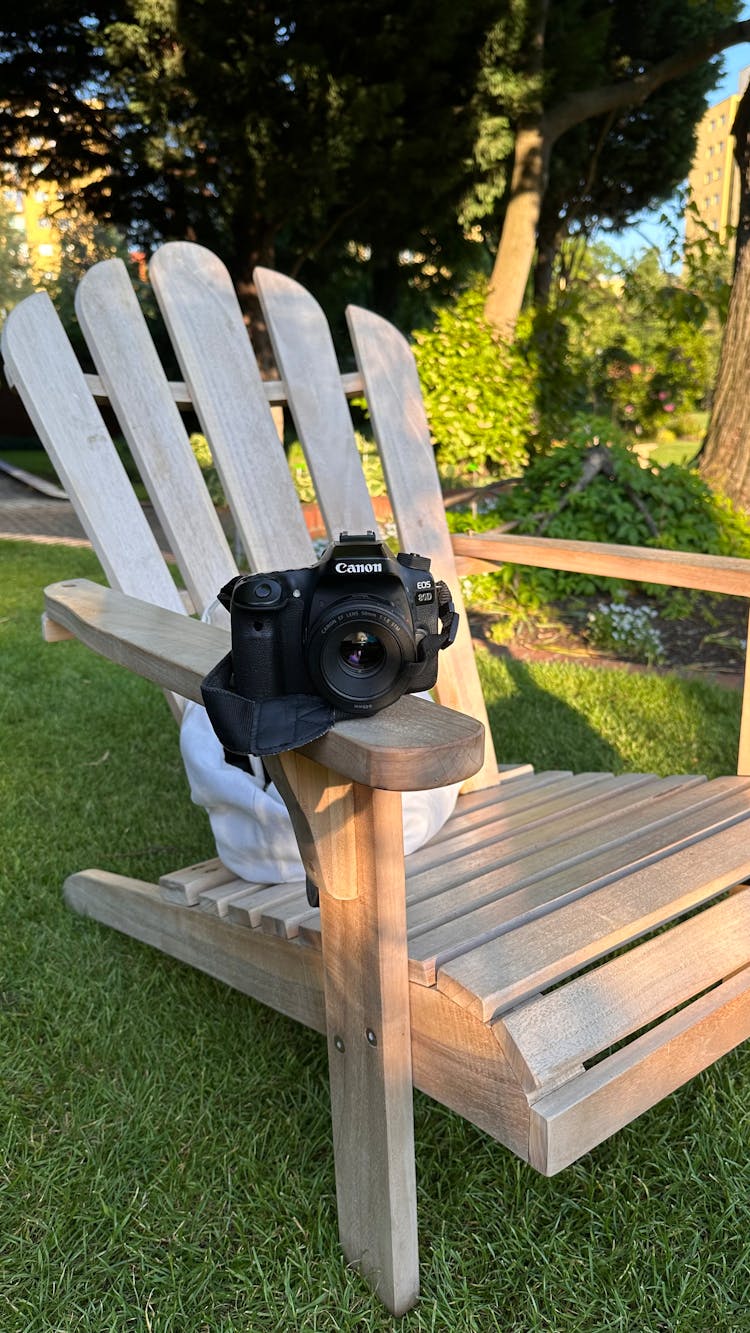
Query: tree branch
(580,106)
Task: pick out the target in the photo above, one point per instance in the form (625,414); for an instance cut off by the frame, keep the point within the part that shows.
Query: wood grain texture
(677,569)
(120,343)
(200,308)
(466,860)
(449,933)
(573,1119)
(625,994)
(41,365)
(412,745)
(321,806)
(369,1047)
(305,355)
(399,421)
(500,973)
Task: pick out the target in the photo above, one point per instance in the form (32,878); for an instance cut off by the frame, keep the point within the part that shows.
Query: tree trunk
(515,255)
(725,457)
(534,143)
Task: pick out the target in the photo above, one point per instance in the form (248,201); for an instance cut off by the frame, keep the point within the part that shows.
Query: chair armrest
(646,564)
(411,746)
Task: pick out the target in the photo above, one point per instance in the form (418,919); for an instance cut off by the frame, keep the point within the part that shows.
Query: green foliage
(685,512)
(643,343)
(15,282)
(480,392)
(203,457)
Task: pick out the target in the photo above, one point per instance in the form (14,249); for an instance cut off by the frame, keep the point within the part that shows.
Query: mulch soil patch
(708,642)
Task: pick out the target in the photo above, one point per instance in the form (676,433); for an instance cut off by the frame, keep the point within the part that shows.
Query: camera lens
(357,652)
(361,652)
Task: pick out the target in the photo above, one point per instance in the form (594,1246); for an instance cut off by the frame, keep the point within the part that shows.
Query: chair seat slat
(504,970)
(542,884)
(577,846)
(624,994)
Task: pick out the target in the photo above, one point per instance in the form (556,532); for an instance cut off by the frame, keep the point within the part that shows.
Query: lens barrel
(356,655)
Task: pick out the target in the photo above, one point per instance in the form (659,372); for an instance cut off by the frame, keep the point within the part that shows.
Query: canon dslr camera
(359,628)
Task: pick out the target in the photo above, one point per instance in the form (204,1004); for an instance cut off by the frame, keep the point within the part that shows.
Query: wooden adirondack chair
(489,969)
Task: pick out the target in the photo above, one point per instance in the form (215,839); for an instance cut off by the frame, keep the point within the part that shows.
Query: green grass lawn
(166,1159)
(676,451)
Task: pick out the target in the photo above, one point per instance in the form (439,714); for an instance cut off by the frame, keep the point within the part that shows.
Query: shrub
(479,391)
(686,514)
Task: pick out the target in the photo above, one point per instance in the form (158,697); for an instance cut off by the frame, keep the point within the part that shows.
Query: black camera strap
(253,726)
(432,644)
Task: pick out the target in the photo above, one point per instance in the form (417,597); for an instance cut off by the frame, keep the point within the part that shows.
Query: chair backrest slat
(41,365)
(137,387)
(200,309)
(306,358)
(399,421)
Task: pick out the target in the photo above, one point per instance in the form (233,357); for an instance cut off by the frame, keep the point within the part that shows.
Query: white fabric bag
(249,821)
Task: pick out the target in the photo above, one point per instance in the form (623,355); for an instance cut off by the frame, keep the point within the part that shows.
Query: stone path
(27,515)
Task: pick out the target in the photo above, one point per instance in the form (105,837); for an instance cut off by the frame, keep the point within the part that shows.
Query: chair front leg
(351,842)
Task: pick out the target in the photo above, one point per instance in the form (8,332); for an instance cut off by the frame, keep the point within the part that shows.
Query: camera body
(360,628)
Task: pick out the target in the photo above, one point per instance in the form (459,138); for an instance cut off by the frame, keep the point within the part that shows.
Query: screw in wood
(371,1037)
(339,1044)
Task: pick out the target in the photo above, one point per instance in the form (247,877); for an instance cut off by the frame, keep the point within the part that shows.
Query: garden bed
(707,640)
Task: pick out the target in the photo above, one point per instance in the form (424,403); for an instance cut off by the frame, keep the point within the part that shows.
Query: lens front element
(361,652)
(357,654)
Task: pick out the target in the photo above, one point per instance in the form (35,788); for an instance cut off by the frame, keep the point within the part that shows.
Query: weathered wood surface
(121,345)
(494,976)
(399,422)
(646,564)
(574,1118)
(204,319)
(412,745)
(40,363)
(625,994)
(304,353)
(355,841)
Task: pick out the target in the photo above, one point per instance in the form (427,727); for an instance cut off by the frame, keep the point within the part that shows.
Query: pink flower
(669,407)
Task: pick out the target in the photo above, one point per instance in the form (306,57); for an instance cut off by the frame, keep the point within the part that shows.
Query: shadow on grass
(554,715)
(530,724)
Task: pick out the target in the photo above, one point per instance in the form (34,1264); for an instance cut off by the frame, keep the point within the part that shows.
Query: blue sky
(645,230)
